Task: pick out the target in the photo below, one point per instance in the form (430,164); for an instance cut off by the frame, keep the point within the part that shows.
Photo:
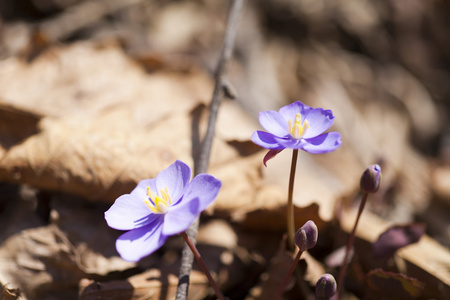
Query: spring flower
(158,208)
(297,126)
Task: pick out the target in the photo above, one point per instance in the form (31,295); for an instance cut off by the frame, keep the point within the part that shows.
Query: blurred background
(98,94)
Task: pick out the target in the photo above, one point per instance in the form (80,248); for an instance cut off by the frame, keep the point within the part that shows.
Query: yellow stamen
(165,195)
(161,204)
(297,130)
(150,205)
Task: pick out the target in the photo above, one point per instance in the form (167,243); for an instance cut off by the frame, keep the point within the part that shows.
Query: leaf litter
(83,122)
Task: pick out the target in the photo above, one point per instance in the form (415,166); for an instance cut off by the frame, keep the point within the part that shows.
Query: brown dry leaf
(151,285)
(270,281)
(314,269)
(42,259)
(8,293)
(38,260)
(441,182)
(394,285)
(397,237)
(425,260)
(93,241)
(218,233)
(221,247)
(110,126)
(106,124)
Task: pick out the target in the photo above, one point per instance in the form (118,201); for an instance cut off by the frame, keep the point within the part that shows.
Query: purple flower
(158,208)
(297,126)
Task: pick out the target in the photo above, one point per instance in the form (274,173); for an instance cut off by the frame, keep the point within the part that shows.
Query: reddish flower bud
(325,287)
(370,179)
(306,236)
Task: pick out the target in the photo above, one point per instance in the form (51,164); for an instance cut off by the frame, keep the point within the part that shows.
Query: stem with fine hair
(350,241)
(202,264)
(288,275)
(201,164)
(290,204)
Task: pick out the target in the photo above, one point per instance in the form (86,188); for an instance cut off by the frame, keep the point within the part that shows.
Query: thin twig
(201,165)
(227,50)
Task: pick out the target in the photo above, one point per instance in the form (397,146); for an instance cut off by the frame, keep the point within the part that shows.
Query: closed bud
(306,236)
(325,287)
(370,179)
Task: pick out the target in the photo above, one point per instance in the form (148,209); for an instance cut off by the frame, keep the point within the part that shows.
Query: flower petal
(274,122)
(180,217)
(266,140)
(175,178)
(319,120)
(323,143)
(139,243)
(129,212)
(289,111)
(291,143)
(199,194)
(141,188)
(203,187)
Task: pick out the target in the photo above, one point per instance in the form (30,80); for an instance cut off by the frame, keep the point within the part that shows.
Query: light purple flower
(297,126)
(158,208)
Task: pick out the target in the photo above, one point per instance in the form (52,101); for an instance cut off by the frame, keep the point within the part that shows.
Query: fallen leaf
(394,285)
(396,237)
(9,293)
(152,285)
(40,260)
(426,260)
(270,281)
(102,129)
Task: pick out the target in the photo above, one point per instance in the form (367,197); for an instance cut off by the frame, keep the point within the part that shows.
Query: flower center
(157,204)
(297,130)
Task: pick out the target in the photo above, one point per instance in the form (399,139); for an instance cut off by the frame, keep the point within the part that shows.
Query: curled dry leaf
(104,124)
(39,260)
(396,237)
(8,293)
(426,260)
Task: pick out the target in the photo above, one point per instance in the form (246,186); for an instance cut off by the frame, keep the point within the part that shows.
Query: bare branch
(201,165)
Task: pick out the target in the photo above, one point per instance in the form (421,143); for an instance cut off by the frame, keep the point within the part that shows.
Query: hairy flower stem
(350,241)
(285,281)
(290,205)
(202,264)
